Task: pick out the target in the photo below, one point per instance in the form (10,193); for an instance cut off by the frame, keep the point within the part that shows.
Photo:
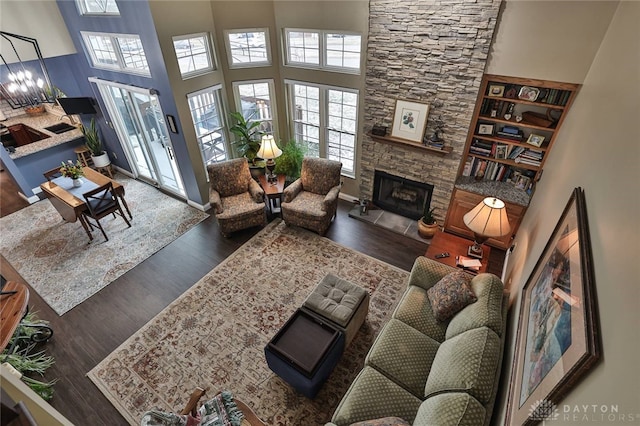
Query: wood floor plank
(90,331)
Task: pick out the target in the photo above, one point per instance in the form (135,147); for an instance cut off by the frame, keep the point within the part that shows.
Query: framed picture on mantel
(410,120)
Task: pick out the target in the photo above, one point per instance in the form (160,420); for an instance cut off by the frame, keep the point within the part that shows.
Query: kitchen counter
(39,123)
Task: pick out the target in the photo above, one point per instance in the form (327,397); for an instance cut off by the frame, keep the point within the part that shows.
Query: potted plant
(248,136)
(73,171)
(427,224)
(94,144)
(290,162)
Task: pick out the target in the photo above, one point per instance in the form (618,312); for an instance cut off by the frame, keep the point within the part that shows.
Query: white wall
(36,19)
(598,149)
(549,40)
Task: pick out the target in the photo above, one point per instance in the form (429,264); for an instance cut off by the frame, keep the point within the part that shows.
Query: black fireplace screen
(402,196)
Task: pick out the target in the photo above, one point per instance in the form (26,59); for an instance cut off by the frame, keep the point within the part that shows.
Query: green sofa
(424,372)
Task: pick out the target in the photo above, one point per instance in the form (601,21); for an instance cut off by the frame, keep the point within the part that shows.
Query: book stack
(532,157)
(468,263)
(480,147)
(511,132)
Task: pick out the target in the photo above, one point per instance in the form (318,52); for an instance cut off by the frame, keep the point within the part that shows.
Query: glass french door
(139,123)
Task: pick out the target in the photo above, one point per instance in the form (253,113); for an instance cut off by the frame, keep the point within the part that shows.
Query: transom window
(335,51)
(248,48)
(208,120)
(256,101)
(194,54)
(97,7)
(120,52)
(325,119)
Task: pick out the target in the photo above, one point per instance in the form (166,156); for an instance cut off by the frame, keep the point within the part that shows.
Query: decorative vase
(101,160)
(427,231)
(77,182)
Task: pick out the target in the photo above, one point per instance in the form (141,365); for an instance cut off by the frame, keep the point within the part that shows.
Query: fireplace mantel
(389,139)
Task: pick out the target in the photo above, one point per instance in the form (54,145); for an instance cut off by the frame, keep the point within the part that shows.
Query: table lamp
(488,219)
(269,150)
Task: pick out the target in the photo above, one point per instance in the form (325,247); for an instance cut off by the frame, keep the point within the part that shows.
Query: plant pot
(427,231)
(101,160)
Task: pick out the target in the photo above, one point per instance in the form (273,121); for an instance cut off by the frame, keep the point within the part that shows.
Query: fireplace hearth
(405,197)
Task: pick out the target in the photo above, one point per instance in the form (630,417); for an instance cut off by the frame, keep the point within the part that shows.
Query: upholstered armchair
(311,201)
(237,200)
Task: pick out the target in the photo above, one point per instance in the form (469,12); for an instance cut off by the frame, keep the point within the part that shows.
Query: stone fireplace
(428,52)
(402,196)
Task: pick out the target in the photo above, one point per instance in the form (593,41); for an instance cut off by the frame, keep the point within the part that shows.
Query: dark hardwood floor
(10,201)
(89,332)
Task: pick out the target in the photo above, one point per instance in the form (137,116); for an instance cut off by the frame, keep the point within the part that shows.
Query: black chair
(101,202)
(53,173)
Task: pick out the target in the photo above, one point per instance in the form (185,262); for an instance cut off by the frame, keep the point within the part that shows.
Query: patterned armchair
(311,201)
(237,200)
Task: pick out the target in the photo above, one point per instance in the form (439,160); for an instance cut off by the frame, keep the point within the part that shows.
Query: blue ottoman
(304,352)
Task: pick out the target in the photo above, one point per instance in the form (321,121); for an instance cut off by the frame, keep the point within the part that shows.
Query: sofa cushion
(466,363)
(415,310)
(450,295)
(403,354)
(371,396)
(450,409)
(385,421)
(486,311)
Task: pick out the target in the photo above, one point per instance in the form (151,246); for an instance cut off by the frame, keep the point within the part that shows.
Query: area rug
(215,333)
(57,260)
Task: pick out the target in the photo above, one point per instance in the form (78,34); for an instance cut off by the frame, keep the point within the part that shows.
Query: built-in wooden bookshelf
(513,129)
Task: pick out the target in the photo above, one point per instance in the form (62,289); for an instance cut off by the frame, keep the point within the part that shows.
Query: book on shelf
(515,151)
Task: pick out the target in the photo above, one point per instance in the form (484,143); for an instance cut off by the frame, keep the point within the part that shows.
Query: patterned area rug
(58,262)
(214,334)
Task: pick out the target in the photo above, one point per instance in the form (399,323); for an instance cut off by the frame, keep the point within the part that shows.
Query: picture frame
(501,152)
(496,90)
(410,120)
(528,93)
(535,140)
(485,129)
(558,336)
(522,182)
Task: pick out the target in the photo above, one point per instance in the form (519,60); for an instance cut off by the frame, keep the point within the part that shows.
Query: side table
(455,246)
(273,192)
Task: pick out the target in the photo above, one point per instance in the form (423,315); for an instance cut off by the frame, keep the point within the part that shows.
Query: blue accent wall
(135,18)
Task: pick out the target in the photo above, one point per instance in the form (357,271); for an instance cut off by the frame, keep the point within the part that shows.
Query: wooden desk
(71,207)
(455,246)
(273,192)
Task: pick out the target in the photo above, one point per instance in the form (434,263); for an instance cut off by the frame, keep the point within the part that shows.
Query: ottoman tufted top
(335,299)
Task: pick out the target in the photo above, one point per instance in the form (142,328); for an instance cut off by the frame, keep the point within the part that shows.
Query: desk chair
(101,202)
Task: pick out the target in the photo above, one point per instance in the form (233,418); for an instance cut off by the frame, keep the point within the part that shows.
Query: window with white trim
(328,50)
(117,52)
(324,119)
(97,7)
(194,54)
(248,48)
(256,101)
(208,115)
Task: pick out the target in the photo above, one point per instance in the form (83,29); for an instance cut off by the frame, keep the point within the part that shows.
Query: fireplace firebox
(402,196)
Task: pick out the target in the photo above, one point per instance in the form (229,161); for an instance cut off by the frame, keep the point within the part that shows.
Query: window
(247,48)
(97,7)
(324,50)
(119,52)
(325,120)
(194,54)
(208,120)
(256,102)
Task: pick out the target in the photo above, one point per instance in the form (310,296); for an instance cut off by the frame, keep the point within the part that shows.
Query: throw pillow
(450,295)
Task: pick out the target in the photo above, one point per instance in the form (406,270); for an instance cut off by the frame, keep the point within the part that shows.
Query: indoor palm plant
(94,144)
(427,224)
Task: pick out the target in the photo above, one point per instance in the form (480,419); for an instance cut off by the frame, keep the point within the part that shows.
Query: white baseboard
(201,207)
(348,197)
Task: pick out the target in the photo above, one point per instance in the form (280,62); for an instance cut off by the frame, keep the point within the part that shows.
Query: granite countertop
(39,123)
(503,190)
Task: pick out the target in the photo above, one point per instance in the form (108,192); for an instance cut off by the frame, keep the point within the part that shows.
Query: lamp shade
(268,149)
(488,218)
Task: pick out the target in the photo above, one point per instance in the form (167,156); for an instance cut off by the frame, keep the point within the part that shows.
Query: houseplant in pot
(290,162)
(248,141)
(94,144)
(427,224)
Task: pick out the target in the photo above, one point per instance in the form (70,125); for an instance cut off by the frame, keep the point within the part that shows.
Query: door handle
(170,153)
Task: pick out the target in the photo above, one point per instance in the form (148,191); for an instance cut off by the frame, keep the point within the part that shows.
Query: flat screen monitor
(77,105)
